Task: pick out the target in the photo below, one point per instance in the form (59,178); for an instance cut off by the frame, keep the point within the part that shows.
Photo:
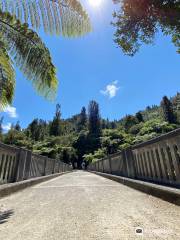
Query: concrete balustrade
(17,164)
(157,160)
(8,162)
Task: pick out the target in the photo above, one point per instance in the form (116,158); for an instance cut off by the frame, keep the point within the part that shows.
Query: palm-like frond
(65,17)
(29,54)
(7,80)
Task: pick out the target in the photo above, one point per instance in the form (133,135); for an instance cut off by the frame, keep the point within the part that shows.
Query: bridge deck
(81,206)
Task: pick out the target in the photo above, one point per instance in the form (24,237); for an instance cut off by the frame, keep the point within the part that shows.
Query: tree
(33,128)
(129,121)
(176,106)
(17,126)
(139,117)
(68,155)
(82,122)
(1,128)
(55,126)
(85,143)
(16,138)
(138,21)
(22,46)
(113,125)
(94,120)
(167,110)
(37,130)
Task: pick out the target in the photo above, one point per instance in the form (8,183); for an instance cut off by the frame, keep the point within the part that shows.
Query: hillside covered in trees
(88,137)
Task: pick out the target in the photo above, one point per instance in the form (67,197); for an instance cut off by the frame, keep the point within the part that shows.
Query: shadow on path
(4,215)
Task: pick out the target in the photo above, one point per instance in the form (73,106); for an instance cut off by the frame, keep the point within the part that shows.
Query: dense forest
(88,137)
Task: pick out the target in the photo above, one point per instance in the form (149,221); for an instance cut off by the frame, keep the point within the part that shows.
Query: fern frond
(7,78)
(65,17)
(29,54)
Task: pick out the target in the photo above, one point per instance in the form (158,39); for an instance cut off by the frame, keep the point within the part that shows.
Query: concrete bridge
(82,205)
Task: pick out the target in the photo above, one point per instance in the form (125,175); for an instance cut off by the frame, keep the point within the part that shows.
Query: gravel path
(84,206)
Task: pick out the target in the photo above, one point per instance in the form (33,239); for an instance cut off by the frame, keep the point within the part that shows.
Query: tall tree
(138,21)
(22,46)
(139,116)
(43,129)
(55,126)
(94,120)
(17,126)
(167,110)
(82,121)
(33,129)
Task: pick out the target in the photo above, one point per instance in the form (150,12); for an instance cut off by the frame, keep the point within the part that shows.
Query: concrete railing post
(53,168)
(27,164)
(110,167)
(130,164)
(21,161)
(45,163)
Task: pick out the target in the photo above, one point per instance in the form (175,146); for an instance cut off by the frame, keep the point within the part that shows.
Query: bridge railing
(17,164)
(157,160)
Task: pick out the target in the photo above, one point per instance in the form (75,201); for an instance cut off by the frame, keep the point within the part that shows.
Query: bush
(136,129)
(156,126)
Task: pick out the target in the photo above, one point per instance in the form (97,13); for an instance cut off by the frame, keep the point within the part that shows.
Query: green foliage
(22,46)
(82,120)
(144,137)
(94,121)
(18,138)
(17,127)
(68,155)
(88,157)
(37,130)
(1,129)
(111,139)
(73,146)
(167,110)
(176,106)
(29,54)
(99,154)
(138,21)
(55,126)
(61,17)
(157,126)
(129,121)
(7,75)
(153,112)
(135,129)
(139,116)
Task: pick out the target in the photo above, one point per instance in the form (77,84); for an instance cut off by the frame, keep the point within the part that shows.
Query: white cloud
(110,90)
(11,111)
(6,127)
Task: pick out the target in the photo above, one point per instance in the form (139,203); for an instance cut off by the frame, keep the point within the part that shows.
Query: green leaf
(65,17)
(7,78)
(29,54)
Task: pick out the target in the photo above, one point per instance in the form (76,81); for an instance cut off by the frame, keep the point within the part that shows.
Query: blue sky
(92,67)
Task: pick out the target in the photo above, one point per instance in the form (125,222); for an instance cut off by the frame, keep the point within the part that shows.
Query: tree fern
(65,17)
(24,46)
(7,80)
(29,54)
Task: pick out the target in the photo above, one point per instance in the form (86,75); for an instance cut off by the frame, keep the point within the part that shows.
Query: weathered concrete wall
(17,164)
(157,160)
